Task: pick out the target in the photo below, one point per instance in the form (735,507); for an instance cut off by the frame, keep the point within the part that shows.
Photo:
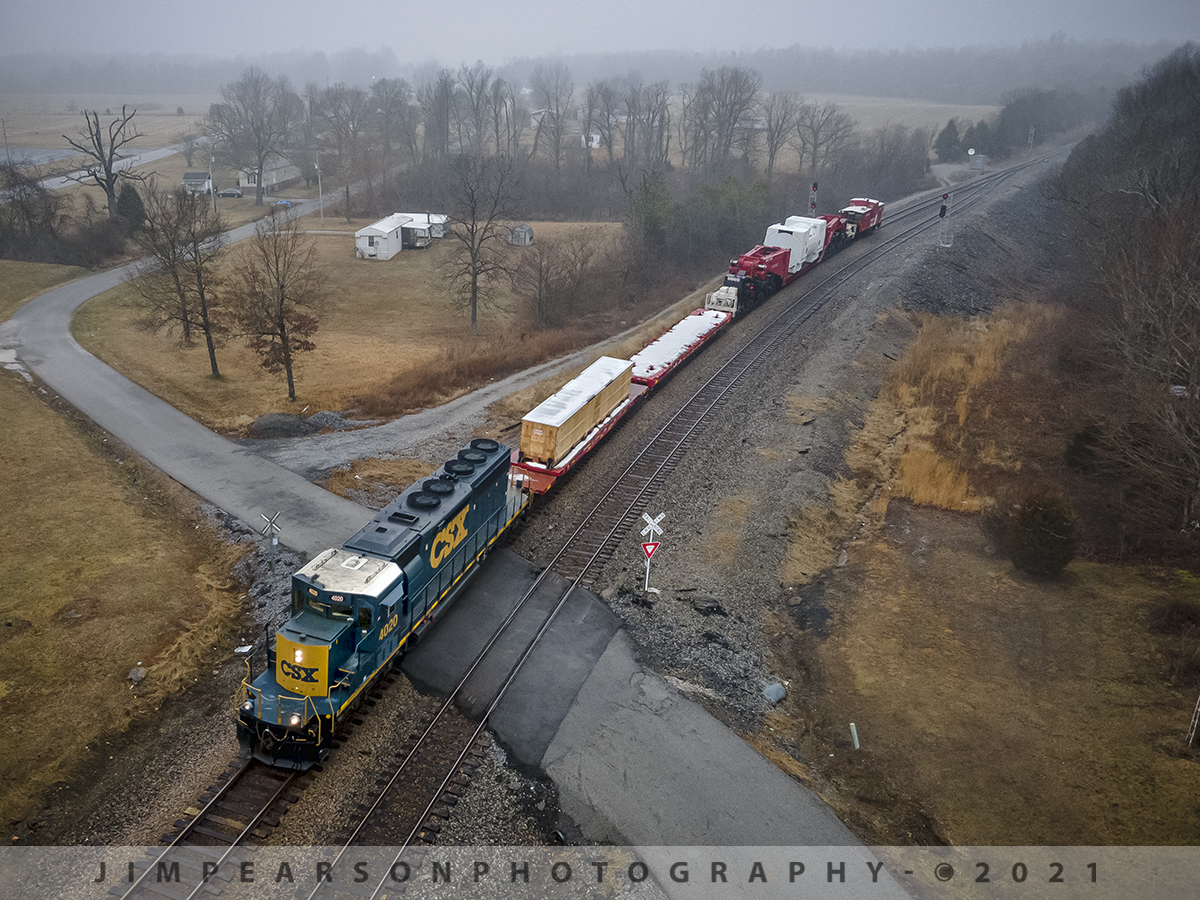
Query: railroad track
(417,796)
(594,541)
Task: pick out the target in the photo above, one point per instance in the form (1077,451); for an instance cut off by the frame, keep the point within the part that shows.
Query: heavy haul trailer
(789,249)
(563,428)
(354,608)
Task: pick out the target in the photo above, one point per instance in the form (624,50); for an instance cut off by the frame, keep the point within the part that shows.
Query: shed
(521,234)
(422,228)
(382,239)
(197,182)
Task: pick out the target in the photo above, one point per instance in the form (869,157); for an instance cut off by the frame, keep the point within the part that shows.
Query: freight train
(356,608)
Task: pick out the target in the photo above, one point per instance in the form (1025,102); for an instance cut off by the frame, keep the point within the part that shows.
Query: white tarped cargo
(804,237)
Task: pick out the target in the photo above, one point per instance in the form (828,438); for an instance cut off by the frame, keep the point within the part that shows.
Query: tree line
(695,171)
(1134,191)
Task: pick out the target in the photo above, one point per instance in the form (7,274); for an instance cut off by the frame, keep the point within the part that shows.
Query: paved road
(220,471)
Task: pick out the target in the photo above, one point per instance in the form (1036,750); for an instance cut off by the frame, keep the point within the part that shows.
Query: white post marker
(649,549)
(653,529)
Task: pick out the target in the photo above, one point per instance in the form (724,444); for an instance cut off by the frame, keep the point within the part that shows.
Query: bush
(1042,536)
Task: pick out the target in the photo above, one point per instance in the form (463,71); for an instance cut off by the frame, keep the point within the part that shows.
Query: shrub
(1042,536)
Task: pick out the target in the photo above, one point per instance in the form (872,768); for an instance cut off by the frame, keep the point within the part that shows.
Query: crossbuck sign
(652,526)
(653,529)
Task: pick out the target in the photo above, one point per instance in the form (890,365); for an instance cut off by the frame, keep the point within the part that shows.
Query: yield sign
(649,549)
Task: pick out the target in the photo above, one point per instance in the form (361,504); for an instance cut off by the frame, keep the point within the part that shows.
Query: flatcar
(357,607)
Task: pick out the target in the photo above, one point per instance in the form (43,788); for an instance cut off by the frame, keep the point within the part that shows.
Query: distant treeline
(974,75)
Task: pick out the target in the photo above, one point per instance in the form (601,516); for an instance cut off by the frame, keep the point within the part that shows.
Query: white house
(277,174)
(382,239)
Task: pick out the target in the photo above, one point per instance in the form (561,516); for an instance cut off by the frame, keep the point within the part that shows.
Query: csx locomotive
(355,608)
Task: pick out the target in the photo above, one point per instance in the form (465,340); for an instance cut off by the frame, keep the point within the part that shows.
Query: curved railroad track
(595,539)
(421,786)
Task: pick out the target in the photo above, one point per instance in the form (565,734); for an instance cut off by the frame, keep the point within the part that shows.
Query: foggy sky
(494,31)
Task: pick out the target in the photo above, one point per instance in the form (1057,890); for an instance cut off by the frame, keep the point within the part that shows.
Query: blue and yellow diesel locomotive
(355,608)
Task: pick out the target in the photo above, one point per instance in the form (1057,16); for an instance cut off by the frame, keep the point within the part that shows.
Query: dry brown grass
(911,442)
(391,339)
(22,281)
(374,473)
(104,569)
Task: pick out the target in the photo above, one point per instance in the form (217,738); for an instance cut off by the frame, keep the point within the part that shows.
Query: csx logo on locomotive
(448,538)
(300,673)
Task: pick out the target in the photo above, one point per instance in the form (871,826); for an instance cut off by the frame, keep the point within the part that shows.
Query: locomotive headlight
(299,654)
(248,706)
(294,721)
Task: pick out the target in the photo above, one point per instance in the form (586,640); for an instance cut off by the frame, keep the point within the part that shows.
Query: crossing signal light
(814,187)
(945,197)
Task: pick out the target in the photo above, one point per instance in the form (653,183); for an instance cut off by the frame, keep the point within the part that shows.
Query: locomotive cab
(344,609)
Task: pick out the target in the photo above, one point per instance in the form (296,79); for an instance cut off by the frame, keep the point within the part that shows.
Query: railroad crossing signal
(274,530)
(652,524)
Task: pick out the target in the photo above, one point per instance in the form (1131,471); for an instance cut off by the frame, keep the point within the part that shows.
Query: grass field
(22,281)
(384,318)
(105,569)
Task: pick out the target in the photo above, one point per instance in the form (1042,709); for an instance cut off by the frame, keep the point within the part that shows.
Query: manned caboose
(355,608)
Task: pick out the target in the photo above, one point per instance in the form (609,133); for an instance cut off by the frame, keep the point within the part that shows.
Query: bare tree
(347,110)
(437,112)
(554,90)
(553,276)
(253,121)
(189,144)
(823,132)
(734,92)
(391,99)
(606,103)
(475,84)
(482,196)
(30,215)
(178,283)
(279,294)
(780,113)
(101,146)
(508,118)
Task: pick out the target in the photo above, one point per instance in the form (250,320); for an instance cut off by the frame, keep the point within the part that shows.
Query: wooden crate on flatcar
(561,421)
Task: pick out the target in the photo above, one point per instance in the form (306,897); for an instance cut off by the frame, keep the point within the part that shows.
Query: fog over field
(471,30)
